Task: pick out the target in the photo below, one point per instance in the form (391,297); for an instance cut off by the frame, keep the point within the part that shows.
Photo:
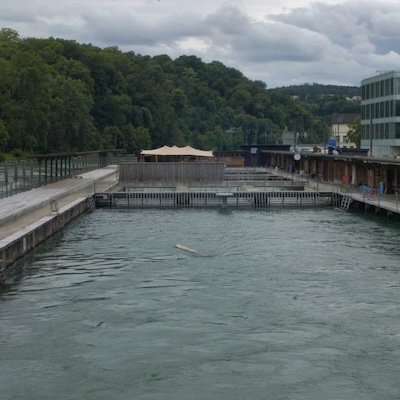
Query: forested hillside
(325,100)
(58,95)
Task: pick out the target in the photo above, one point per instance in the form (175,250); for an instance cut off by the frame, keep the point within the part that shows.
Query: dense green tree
(354,133)
(111,137)
(70,120)
(27,109)
(138,138)
(9,41)
(322,101)
(4,136)
(59,95)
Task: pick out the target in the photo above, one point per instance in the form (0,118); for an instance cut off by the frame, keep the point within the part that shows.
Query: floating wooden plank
(188,249)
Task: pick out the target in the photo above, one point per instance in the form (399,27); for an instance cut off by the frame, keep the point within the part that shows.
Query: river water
(287,304)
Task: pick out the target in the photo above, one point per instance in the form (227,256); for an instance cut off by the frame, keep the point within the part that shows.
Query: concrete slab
(19,211)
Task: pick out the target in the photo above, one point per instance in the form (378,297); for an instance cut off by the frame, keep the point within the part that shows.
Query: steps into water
(345,203)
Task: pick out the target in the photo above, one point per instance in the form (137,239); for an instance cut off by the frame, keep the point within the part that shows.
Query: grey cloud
(129,29)
(16,15)
(229,21)
(261,42)
(278,42)
(342,43)
(385,21)
(338,22)
(349,23)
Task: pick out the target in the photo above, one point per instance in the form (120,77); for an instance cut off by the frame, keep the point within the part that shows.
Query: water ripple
(298,304)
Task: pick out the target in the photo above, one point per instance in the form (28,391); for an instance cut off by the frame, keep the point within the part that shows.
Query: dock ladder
(346,201)
(54,209)
(91,203)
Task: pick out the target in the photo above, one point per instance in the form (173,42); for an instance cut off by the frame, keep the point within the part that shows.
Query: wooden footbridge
(170,198)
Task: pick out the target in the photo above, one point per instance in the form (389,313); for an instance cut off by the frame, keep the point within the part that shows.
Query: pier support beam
(224,198)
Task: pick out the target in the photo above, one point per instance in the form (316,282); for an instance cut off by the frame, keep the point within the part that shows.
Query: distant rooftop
(344,118)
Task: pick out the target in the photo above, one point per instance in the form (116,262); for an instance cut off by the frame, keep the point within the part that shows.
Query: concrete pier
(29,218)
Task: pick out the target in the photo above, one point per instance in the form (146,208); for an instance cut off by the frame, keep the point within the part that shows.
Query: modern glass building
(380,114)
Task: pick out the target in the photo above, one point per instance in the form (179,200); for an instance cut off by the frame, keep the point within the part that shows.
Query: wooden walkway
(384,203)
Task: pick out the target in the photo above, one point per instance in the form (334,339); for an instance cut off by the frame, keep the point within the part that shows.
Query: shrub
(17,153)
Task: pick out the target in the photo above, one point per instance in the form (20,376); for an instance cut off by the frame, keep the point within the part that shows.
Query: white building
(340,128)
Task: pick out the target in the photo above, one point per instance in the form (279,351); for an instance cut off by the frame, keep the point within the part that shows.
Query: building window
(391,130)
(386,130)
(363,132)
(382,131)
(397,108)
(391,87)
(397,130)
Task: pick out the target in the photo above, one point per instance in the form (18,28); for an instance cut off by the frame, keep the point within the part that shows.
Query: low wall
(22,242)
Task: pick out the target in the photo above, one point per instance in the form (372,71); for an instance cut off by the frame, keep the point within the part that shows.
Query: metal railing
(23,175)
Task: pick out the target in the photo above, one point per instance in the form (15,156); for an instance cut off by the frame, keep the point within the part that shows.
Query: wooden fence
(171,173)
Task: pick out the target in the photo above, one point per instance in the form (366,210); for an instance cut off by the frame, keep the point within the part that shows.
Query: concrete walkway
(23,209)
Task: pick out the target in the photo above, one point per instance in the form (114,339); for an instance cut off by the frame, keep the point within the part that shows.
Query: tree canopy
(354,133)
(59,95)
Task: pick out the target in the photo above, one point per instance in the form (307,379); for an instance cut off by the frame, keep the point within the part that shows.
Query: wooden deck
(388,204)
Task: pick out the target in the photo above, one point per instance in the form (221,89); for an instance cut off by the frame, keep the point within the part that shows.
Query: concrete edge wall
(84,183)
(22,242)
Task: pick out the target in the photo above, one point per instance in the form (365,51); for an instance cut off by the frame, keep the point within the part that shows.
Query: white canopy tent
(175,151)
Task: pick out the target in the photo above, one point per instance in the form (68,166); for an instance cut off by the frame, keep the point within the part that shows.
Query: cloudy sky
(280,42)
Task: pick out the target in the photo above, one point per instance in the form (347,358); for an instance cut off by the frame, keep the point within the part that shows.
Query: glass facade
(380,113)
